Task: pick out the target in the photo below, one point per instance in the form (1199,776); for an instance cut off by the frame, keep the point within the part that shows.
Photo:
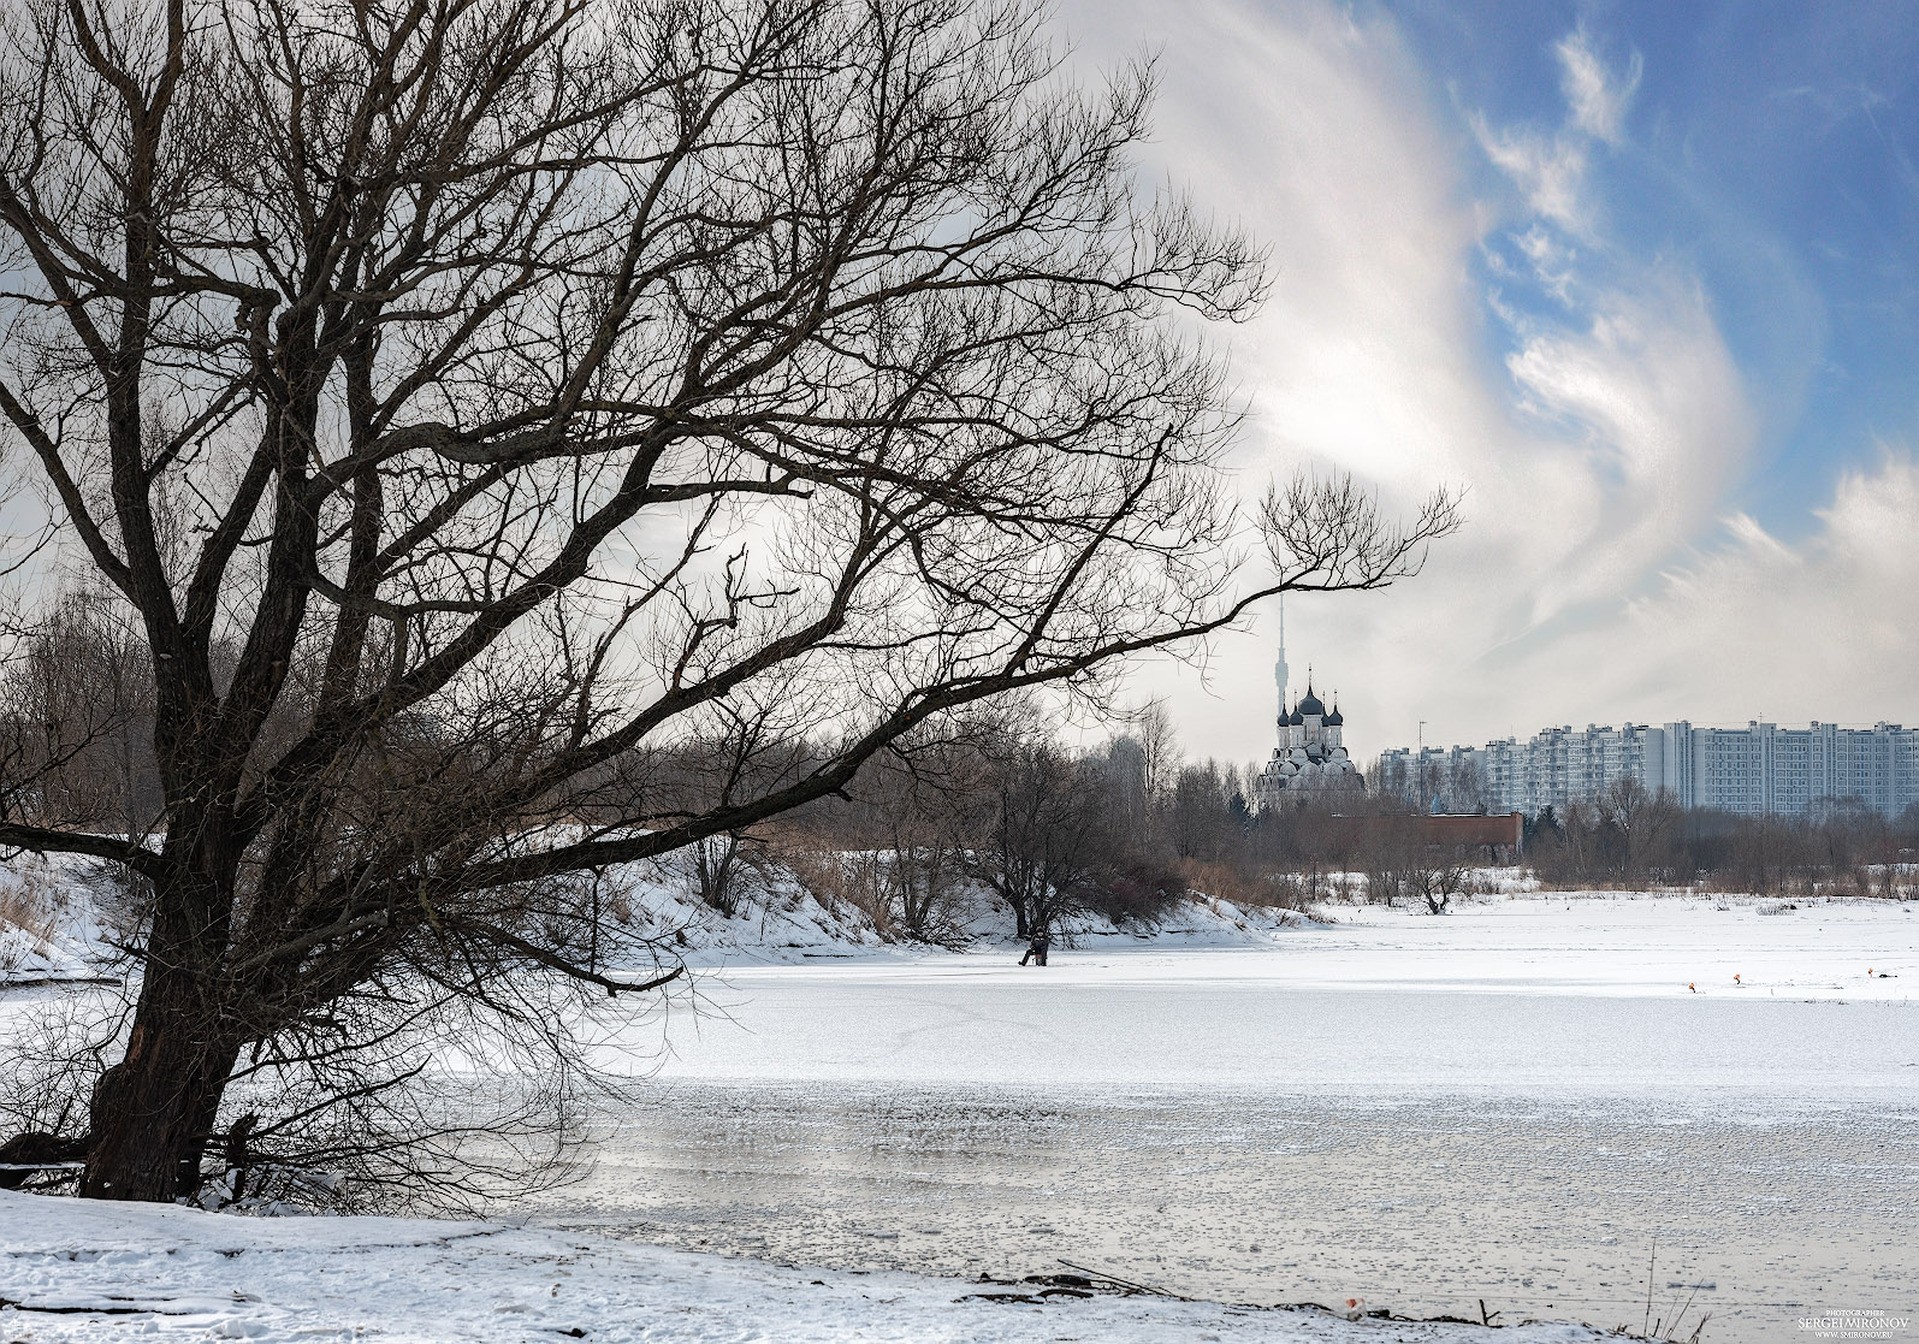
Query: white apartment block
(1759,770)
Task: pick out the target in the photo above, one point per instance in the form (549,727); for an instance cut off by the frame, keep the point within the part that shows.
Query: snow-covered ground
(783,923)
(72,1271)
(51,917)
(1507,1103)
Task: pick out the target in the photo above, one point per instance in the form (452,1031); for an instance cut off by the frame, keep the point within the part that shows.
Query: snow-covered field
(75,1271)
(1629,997)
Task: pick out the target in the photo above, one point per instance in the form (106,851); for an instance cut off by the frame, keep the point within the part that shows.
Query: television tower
(1279,667)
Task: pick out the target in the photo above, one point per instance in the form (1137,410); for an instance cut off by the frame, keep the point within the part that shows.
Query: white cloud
(1599,446)
(1549,170)
(1597,99)
(1553,262)
(1755,626)
(1651,401)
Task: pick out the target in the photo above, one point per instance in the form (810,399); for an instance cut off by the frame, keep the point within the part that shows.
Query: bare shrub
(1250,886)
(1435,879)
(33,906)
(1139,892)
(1391,863)
(1291,891)
(27,923)
(925,893)
(852,880)
(727,870)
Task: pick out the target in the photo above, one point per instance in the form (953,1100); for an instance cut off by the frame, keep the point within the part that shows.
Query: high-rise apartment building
(1759,770)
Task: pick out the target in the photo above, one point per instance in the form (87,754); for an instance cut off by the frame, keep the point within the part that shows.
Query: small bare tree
(1387,854)
(1048,829)
(719,865)
(1152,729)
(465,402)
(76,718)
(1435,877)
(1642,823)
(1467,791)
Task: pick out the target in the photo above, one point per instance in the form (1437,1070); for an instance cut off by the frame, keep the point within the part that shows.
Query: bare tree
(719,865)
(519,387)
(911,825)
(76,719)
(1048,832)
(1126,776)
(1198,820)
(1467,791)
(1435,876)
(1160,755)
(1641,821)
(1389,851)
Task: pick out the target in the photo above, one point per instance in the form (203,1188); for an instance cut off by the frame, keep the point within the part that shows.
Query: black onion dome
(1310,705)
(1335,719)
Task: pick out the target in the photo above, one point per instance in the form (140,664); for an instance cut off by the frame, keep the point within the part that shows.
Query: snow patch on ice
(75,1270)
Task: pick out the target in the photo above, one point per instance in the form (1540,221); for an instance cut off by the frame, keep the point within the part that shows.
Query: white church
(1311,756)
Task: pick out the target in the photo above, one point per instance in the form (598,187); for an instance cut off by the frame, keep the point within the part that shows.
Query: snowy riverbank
(61,915)
(73,1271)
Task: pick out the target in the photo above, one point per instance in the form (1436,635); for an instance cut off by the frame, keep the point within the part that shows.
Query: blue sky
(1771,148)
(1639,278)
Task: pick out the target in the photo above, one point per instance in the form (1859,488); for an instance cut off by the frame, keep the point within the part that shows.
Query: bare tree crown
(468,398)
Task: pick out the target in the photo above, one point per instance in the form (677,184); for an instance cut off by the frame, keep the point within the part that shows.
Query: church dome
(1310,705)
(1335,719)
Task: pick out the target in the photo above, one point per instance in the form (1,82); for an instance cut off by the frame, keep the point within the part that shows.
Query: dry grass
(838,881)
(30,908)
(1227,882)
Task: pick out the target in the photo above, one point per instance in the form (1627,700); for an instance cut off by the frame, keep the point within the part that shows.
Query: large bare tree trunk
(155,1110)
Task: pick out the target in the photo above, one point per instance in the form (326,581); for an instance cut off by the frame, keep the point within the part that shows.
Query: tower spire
(1279,667)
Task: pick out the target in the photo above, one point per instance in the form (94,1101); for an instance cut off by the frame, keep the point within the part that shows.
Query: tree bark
(154,1111)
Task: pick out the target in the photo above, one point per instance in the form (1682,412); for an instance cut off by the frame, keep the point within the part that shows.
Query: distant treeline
(993,802)
(1630,836)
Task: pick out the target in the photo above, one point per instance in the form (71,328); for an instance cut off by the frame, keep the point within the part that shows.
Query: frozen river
(1510,1104)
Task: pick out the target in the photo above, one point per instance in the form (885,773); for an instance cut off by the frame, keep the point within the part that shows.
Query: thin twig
(1125,1283)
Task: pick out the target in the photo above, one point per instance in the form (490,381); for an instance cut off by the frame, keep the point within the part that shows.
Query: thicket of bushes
(1123,829)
